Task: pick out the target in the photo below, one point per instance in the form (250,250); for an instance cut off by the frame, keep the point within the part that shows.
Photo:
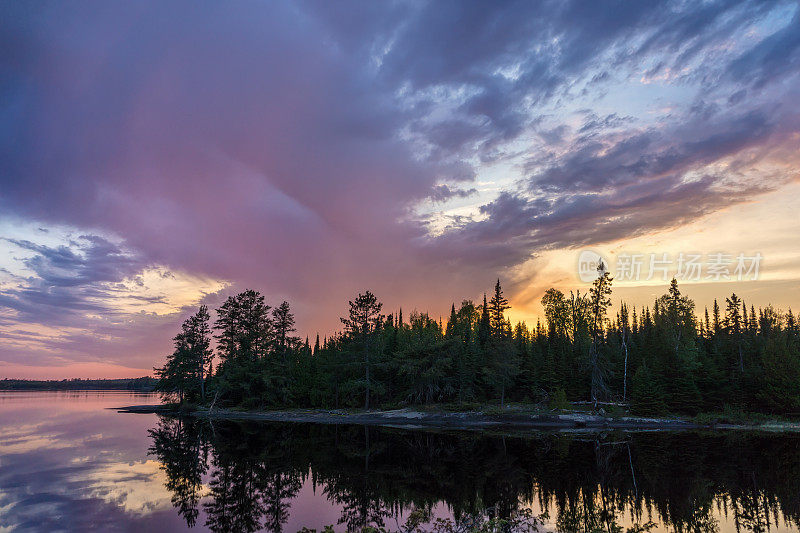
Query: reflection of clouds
(23,438)
(31,437)
(29,443)
(137,488)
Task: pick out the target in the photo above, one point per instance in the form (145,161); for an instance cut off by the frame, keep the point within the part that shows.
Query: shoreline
(470,420)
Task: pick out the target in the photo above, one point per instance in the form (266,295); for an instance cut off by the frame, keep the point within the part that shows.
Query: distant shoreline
(142,384)
(412,419)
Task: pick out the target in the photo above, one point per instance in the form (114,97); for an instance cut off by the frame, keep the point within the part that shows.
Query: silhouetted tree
(361,323)
(185,371)
(599,302)
(245,336)
(502,359)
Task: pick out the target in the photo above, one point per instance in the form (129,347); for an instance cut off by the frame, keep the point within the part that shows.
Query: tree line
(143,384)
(664,358)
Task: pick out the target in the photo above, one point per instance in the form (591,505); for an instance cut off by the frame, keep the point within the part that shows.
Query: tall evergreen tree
(733,326)
(245,337)
(600,301)
(497,308)
(362,321)
(187,368)
(677,327)
(280,367)
(502,359)
(283,324)
(485,325)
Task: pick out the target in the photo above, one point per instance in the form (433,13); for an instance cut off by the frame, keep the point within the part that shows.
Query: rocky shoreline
(411,418)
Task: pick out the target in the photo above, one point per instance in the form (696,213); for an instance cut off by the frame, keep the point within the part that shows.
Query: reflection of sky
(69,464)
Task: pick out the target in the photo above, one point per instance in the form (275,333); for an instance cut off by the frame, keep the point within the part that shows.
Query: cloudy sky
(157,155)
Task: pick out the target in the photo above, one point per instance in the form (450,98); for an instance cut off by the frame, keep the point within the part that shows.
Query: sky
(156,156)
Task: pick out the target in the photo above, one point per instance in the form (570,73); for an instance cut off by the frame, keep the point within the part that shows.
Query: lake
(68,463)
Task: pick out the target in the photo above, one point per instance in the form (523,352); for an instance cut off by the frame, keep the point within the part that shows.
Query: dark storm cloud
(623,185)
(231,141)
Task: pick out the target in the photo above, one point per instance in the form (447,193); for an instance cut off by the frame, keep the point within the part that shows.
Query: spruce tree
(600,301)
(497,308)
(502,360)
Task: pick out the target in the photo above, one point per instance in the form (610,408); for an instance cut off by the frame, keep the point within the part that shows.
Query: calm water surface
(67,463)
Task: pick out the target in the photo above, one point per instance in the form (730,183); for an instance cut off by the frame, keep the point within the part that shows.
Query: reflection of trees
(249,489)
(181,449)
(375,474)
(357,488)
(252,481)
(279,490)
(235,499)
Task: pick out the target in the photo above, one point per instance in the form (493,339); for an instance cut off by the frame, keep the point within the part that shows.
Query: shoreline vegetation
(664,362)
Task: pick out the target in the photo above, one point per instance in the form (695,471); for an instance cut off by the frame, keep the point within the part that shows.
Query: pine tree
(187,368)
(676,324)
(451,322)
(283,324)
(244,328)
(245,338)
(362,321)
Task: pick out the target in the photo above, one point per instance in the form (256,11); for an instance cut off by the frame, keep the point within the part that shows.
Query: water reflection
(246,477)
(68,463)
